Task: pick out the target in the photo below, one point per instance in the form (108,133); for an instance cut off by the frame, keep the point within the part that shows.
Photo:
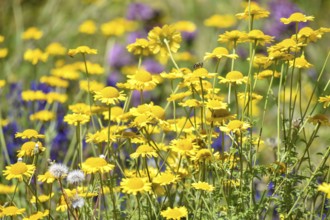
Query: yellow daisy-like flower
(30,95)
(175,213)
(88,27)
(5,189)
(46,178)
(259,38)
(218,53)
(326,100)
(28,148)
(109,95)
(43,115)
(29,134)
(82,50)
(203,186)
(135,185)
(3,52)
(159,35)
(75,119)
(32,33)
(18,171)
(54,81)
(34,56)
(261,60)
(69,72)
(2,38)
(254,11)
(93,68)
(220,21)
(234,77)
(118,27)
(95,165)
(300,63)
(233,37)
(266,74)
(297,17)
(142,80)
(55,49)
(165,178)
(54,96)
(185,26)
(42,198)
(215,104)
(38,215)
(93,85)
(139,47)
(11,211)
(191,103)
(178,96)
(324,187)
(219,116)
(319,119)
(235,126)
(144,150)
(2,83)
(117,113)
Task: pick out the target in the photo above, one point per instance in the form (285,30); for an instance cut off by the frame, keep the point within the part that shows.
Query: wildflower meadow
(145,110)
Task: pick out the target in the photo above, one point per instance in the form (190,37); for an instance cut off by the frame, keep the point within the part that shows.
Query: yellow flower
(93,68)
(118,27)
(203,186)
(18,171)
(93,85)
(135,185)
(139,47)
(220,21)
(82,108)
(55,49)
(233,37)
(95,165)
(82,50)
(116,114)
(261,60)
(54,96)
(297,17)
(218,116)
(11,211)
(235,126)
(75,119)
(54,81)
(32,33)
(324,187)
(2,83)
(144,150)
(109,95)
(47,177)
(215,104)
(178,96)
(29,147)
(159,35)
(3,52)
(42,198)
(219,52)
(185,26)
(307,34)
(266,74)
(326,100)
(38,215)
(300,63)
(319,119)
(34,56)
(234,77)
(259,38)
(175,213)
(191,103)
(5,189)
(29,134)
(88,27)
(66,72)
(2,38)
(43,115)
(142,80)
(253,10)
(30,95)
(165,178)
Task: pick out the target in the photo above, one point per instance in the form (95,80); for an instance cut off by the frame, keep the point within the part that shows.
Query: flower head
(166,178)
(326,100)
(139,47)
(88,27)
(324,187)
(55,49)
(82,50)
(18,171)
(144,150)
(43,115)
(220,52)
(38,215)
(109,95)
(203,186)
(175,213)
(28,148)
(47,177)
(235,126)
(32,33)
(135,185)
(58,170)
(253,10)
(34,56)
(75,177)
(220,21)
(297,17)
(75,119)
(95,165)
(11,211)
(234,77)
(29,134)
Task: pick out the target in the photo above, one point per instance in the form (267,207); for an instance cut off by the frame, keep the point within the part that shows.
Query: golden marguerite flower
(135,185)
(55,49)
(297,17)
(93,85)
(5,189)
(42,198)
(95,165)
(233,77)
(54,81)
(32,33)
(266,74)
(82,50)
(235,126)
(18,171)
(142,80)
(254,11)
(165,178)
(326,100)
(88,27)
(259,38)
(35,55)
(203,186)
(29,134)
(233,37)
(220,21)
(46,178)
(319,119)
(109,95)
(139,47)
(3,52)
(56,97)
(38,215)
(325,187)
(144,150)
(218,53)
(11,211)
(75,119)
(162,37)
(29,149)
(300,63)
(43,115)
(118,27)
(175,213)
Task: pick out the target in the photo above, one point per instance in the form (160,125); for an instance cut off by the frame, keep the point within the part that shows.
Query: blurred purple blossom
(139,11)
(152,66)
(118,56)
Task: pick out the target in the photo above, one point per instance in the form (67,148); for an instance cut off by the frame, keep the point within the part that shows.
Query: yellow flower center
(96,162)
(18,168)
(110,92)
(135,184)
(143,76)
(11,210)
(28,146)
(184,145)
(234,75)
(175,213)
(235,124)
(30,132)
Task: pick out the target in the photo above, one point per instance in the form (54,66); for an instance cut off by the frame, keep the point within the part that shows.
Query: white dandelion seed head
(58,170)
(75,177)
(77,202)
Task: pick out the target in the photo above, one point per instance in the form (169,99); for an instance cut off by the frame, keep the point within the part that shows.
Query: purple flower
(152,66)
(118,56)
(139,11)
